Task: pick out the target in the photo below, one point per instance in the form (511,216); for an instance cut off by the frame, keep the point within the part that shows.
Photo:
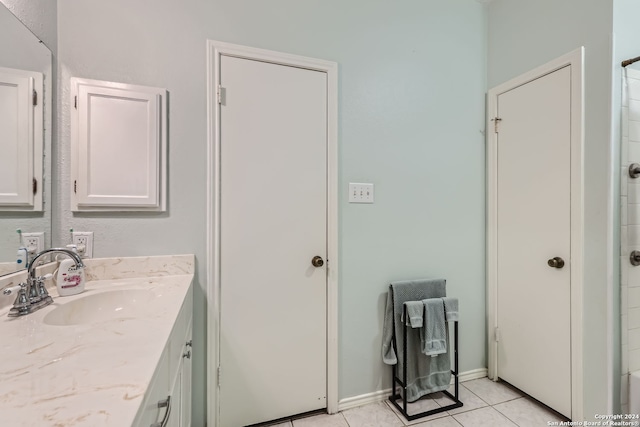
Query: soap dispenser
(69,279)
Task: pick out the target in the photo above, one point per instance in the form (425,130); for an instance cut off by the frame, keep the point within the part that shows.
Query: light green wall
(40,16)
(412,83)
(522,35)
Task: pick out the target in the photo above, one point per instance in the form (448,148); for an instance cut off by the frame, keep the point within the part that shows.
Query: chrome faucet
(33,295)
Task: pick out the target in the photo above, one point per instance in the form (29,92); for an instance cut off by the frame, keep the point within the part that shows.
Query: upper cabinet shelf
(118,146)
(21,140)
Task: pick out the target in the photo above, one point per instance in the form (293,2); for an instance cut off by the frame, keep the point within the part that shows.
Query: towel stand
(401,383)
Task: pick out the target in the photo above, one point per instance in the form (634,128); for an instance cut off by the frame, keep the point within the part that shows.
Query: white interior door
(273,221)
(533,226)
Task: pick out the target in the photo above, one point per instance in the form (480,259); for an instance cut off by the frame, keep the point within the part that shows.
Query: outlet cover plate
(360,192)
(33,241)
(83,238)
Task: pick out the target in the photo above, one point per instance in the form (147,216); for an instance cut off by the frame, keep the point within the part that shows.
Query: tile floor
(486,403)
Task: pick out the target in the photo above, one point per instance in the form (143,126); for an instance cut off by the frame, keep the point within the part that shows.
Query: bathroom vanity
(118,354)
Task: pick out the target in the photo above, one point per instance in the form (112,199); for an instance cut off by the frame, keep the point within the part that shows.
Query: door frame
(215,50)
(575,59)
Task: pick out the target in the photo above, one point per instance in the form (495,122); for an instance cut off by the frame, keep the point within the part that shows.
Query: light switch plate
(360,192)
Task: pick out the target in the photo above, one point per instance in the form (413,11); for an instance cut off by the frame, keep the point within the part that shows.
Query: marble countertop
(91,374)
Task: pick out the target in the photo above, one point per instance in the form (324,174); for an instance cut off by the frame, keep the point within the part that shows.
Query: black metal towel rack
(401,383)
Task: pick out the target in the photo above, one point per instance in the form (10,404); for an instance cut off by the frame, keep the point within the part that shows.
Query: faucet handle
(22,299)
(11,289)
(22,304)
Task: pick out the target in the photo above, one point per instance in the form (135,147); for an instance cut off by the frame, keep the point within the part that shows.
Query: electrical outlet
(360,192)
(84,241)
(34,242)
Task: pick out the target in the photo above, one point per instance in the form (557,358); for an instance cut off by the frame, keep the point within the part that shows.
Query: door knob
(556,262)
(635,257)
(317,261)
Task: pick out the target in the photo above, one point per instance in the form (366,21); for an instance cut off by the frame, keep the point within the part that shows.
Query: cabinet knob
(189,343)
(187,354)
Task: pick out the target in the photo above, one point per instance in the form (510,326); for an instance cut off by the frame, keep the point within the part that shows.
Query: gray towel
(451,309)
(425,374)
(414,313)
(434,331)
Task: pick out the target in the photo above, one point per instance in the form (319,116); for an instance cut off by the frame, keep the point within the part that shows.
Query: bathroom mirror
(21,50)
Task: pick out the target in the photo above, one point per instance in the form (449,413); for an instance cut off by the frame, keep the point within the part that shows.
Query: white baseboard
(473,374)
(363,399)
(380,395)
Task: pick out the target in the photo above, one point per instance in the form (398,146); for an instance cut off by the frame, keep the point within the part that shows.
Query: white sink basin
(98,307)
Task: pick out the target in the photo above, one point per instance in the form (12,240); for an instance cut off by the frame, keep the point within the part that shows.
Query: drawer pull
(165,403)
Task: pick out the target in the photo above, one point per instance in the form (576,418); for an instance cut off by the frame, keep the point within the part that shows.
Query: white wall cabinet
(171,381)
(21,140)
(118,146)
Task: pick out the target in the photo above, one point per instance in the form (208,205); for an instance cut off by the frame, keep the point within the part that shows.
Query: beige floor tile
(526,412)
(421,405)
(468,399)
(483,417)
(440,422)
(323,420)
(492,392)
(373,415)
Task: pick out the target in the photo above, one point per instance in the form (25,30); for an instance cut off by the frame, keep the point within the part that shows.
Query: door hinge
(495,121)
(219,375)
(75,102)
(497,334)
(35,186)
(35,98)
(75,186)
(221,94)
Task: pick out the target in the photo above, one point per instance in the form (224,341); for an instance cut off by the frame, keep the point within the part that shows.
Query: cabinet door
(21,143)
(118,146)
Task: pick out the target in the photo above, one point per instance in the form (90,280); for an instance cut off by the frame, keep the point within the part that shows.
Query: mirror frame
(24,50)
